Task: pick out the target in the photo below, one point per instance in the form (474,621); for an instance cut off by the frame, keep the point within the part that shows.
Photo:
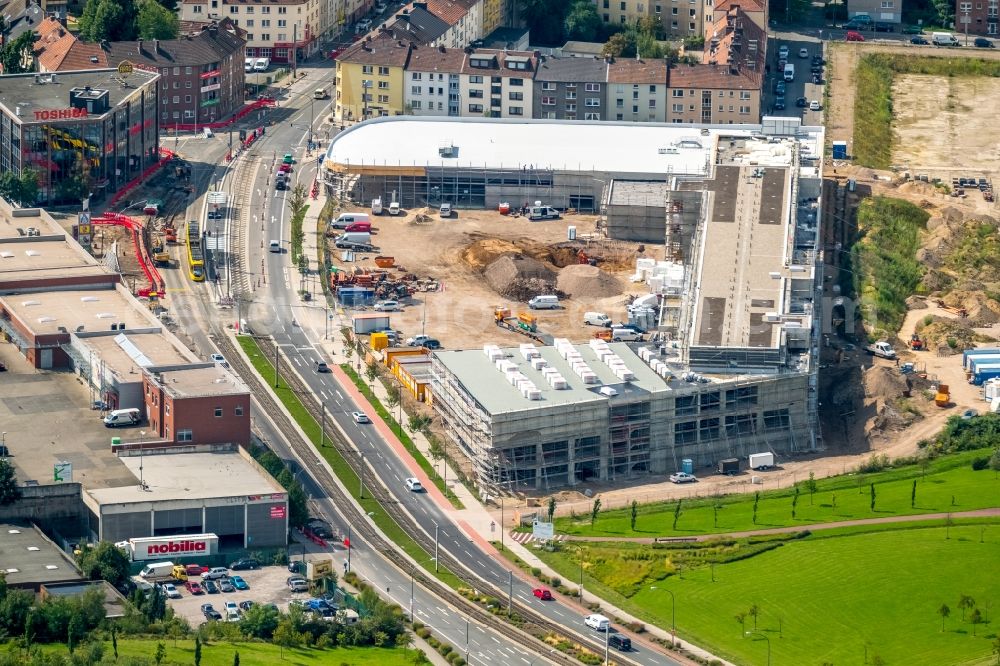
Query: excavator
(916,344)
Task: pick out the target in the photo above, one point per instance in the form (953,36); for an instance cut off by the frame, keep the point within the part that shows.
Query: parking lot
(267,586)
(801,87)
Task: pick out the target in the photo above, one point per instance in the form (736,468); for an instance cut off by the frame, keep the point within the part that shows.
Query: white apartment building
(432,82)
(497,84)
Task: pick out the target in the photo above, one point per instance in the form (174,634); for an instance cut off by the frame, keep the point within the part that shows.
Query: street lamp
(765,637)
(673,615)
(142,435)
(3,444)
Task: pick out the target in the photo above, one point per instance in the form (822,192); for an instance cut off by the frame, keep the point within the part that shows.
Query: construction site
(722,363)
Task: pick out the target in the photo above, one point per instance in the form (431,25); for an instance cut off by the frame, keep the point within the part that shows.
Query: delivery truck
(761,461)
(158,571)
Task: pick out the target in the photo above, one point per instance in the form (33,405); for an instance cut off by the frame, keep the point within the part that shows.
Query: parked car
(417,340)
(246,605)
(194,587)
(598,622)
(413,485)
(983,43)
(542,593)
(884,27)
(814,105)
(801,102)
(239,583)
(244,564)
(386,306)
(803,52)
(445,210)
(226,585)
(215,573)
(817,79)
(219,359)
(210,587)
(360,417)
(431,343)
(779,103)
(210,613)
(919,40)
(682,477)
(854,36)
(913,30)
(779,88)
(297,584)
(783,52)
(232,612)
(171,591)
(363,26)
(620,643)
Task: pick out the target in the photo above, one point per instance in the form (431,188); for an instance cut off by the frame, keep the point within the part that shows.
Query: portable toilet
(840,150)
(687,466)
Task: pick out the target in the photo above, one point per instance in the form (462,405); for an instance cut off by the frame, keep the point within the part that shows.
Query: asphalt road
(802,86)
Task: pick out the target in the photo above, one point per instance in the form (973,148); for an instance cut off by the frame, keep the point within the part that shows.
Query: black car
(210,613)
(983,43)
(245,564)
(817,79)
(432,344)
(619,642)
(779,103)
(246,605)
(884,27)
(913,30)
(801,102)
(210,586)
(321,367)
(919,40)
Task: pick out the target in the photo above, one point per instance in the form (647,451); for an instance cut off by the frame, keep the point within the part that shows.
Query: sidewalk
(476,520)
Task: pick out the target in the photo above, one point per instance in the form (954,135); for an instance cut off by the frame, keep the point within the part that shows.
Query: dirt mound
(584,281)
(884,383)
(485,251)
(947,336)
(519,277)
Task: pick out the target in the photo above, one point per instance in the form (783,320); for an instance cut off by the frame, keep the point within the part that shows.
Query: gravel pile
(519,278)
(584,281)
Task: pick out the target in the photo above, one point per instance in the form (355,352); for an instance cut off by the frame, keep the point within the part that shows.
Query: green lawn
(823,599)
(949,485)
(253,654)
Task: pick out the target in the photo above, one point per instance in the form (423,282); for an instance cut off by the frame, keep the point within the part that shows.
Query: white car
(232,611)
(417,340)
(360,417)
(803,53)
(171,591)
(445,210)
(783,52)
(363,26)
(219,359)
(413,485)
(386,306)
(814,105)
(682,477)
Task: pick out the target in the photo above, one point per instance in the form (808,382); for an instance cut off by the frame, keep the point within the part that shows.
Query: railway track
(356,517)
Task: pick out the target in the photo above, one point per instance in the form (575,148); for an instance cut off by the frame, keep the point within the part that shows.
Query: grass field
(253,654)
(823,599)
(950,484)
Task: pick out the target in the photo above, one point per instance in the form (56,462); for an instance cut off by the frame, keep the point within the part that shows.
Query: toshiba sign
(60,114)
(182,545)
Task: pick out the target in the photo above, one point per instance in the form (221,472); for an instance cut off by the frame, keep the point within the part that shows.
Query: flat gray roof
(27,557)
(188,476)
(22,90)
(198,380)
(639,192)
(490,387)
(127,351)
(93,309)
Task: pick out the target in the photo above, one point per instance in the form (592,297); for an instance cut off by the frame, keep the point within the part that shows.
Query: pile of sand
(519,278)
(884,383)
(584,281)
(481,253)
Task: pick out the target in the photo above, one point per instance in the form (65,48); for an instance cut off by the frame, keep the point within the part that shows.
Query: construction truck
(161,258)
(170,232)
(524,323)
(943,396)
(882,349)
(916,344)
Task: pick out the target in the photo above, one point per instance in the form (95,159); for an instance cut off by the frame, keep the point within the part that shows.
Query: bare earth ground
(937,126)
(460,314)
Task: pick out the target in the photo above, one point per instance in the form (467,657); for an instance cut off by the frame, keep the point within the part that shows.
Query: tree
(583,22)
(236,658)
(545,19)
(795,501)
(756,501)
(976,617)
(677,513)
(944,612)
(754,612)
(371,374)
(114,641)
(16,56)
(285,636)
(633,513)
(297,200)
(105,561)
(552,508)
(616,45)
(965,602)
(161,652)
(113,20)
(197,650)
(742,619)
(995,462)
(811,486)
(156,21)
(872,505)
(392,397)
(913,495)
(715,513)
(596,509)
(10,492)
(259,622)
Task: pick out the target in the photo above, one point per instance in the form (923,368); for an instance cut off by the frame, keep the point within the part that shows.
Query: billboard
(179,545)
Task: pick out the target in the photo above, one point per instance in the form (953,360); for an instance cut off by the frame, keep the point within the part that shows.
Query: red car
(542,594)
(285,168)
(194,569)
(853,36)
(193,587)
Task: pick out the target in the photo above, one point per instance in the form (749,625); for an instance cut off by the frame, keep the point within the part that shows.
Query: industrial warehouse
(731,370)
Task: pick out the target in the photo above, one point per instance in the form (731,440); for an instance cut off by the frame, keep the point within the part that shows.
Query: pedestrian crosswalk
(528,537)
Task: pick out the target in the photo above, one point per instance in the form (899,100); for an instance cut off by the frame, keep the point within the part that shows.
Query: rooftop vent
(33,549)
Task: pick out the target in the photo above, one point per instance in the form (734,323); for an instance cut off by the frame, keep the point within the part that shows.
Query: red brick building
(196,404)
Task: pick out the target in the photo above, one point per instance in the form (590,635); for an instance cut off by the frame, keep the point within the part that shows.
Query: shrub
(444,649)
(536,572)
(555,581)
(433,642)
(423,632)
(980,463)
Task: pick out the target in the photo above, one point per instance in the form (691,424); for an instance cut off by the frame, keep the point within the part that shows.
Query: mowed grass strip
(346,474)
(251,654)
(949,485)
(822,599)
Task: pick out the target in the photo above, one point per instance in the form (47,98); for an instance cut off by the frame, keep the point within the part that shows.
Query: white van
(261,64)
(789,72)
(274,246)
(158,570)
(247,64)
(347,219)
(542,213)
(596,319)
(547,302)
(598,622)
(943,39)
(625,335)
(353,239)
(376,206)
(122,417)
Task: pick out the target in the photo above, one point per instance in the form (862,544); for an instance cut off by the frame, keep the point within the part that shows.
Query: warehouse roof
(490,143)
(28,558)
(88,310)
(21,90)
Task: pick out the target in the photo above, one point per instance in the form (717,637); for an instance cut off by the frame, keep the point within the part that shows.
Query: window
(265,23)
(187,84)
(383,99)
(187,99)
(234,9)
(673,11)
(677,108)
(571,108)
(886,4)
(777,419)
(685,432)
(282,10)
(548,115)
(367,69)
(415,90)
(709,401)
(475,79)
(417,76)
(622,6)
(635,108)
(266,37)
(677,93)
(218,412)
(593,87)
(593,101)
(591,116)
(652,89)
(745,396)
(516,82)
(548,85)
(383,85)
(238,411)
(708,429)
(475,108)
(383,71)
(570,94)
(177,99)
(250,21)
(652,103)
(185,435)
(177,85)
(548,101)
(282,23)
(516,96)
(177,71)
(741,425)
(744,94)
(249,10)
(619,103)
(692,13)
(415,105)
(745,110)
(686,404)
(187,70)
(476,94)
(196,9)
(516,110)
(265,10)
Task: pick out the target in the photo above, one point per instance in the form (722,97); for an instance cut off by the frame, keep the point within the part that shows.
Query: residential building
(202,75)
(370,75)
(497,84)
(890,12)
(414,23)
(682,18)
(755,10)
(637,90)
(624,12)
(571,88)
(271,25)
(464,18)
(196,403)
(432,82)
(712,94)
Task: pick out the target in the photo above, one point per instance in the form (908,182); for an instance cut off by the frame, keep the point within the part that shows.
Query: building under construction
(733,367)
